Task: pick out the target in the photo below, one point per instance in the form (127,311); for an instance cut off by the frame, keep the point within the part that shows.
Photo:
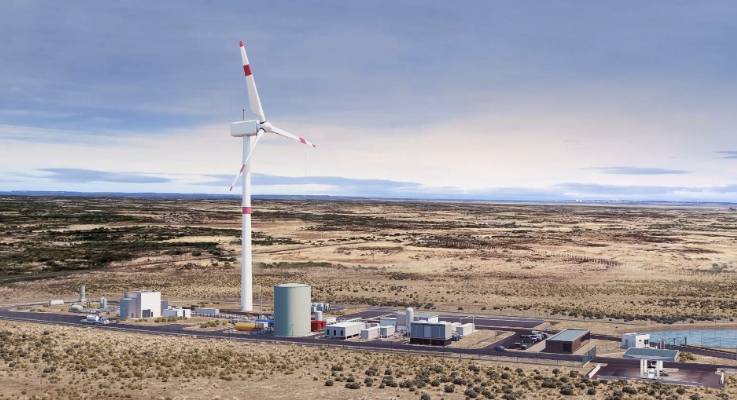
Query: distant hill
(206,196)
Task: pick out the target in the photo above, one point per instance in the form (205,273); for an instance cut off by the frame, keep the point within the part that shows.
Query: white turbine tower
(251,131)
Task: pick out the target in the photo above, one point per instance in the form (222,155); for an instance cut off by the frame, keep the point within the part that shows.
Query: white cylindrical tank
(318,315)
(103,303)
(410,316)
(292,309)
(76,308)
(82,294)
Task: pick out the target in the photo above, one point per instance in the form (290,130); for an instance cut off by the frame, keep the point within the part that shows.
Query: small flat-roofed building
(433,333)
(344,330)
(176,312)
(567,341)
(370,333)
(463,330)
(386,330)
(651,360)
(638,340)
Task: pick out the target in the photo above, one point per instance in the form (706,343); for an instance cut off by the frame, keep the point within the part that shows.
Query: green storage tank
(292,310)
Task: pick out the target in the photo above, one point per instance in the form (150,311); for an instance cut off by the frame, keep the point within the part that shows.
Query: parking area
(694,377)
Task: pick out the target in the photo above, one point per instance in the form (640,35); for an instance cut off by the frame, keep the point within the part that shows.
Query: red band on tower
(246,210)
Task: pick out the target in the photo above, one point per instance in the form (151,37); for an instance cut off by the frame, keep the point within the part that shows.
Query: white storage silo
(292,309)
(410,317)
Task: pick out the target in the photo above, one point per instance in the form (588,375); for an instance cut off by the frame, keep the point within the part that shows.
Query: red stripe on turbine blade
(302,140)
(246,210)
(243,166)
(241,43)
(247,70)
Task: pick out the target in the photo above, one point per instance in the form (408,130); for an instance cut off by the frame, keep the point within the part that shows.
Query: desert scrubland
(49,362)
(656,264)
(610,268)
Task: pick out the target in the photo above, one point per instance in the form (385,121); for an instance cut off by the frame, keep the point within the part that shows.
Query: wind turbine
(251,131)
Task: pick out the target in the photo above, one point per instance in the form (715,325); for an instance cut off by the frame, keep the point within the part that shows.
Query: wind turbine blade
(243,165)
(235,180)
(282,132)
(254,101)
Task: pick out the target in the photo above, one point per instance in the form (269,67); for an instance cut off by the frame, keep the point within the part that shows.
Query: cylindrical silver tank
(318,315)
(103,303)
(292,309)
(82,294)
(125,306)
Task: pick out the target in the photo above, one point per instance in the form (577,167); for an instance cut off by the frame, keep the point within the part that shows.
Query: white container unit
(636,340)
(463,330)
(386,330)
(344,330)
(387,321)
(177,312)
(56,302)
(370,333)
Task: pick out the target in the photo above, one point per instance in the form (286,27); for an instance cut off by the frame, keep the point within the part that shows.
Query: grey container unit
(292,309)
(433,333)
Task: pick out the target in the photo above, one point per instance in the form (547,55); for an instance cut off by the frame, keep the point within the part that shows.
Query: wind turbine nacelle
(244,128)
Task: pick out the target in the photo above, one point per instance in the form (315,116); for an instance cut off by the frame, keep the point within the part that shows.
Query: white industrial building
(176,312)
(387,321)
(636,340)
(370,333)
(344,330)
(143,304)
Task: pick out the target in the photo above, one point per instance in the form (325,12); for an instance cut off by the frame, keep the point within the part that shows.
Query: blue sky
(490,99)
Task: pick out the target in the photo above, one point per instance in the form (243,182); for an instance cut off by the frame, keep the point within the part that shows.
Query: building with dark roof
(567,341)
